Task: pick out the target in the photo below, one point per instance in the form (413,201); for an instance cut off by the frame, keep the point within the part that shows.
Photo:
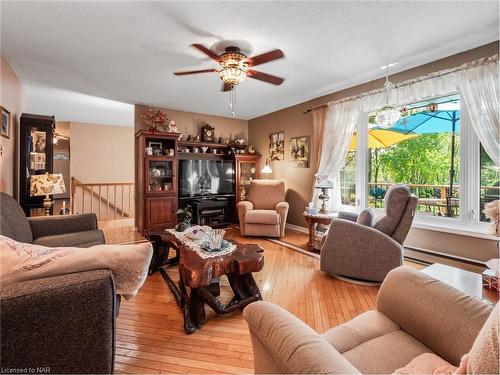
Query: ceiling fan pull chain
(232,100)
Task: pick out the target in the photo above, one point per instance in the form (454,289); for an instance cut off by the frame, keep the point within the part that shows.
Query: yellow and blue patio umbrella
(382,138)
(436,120)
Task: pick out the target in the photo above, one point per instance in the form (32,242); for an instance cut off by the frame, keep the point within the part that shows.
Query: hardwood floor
(150,336)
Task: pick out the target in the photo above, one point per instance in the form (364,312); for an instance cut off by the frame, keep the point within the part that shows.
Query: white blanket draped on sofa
(128,263)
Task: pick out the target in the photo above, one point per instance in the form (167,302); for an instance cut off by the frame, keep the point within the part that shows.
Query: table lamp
(324,183)
(47,184)
(267,169)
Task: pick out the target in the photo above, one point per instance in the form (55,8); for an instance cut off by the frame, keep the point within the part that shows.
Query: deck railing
(433,199)
(108,200)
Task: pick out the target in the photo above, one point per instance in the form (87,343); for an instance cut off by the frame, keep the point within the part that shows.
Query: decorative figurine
(172,127)
(250,149)
(188,138)
(220,140)
(196,138)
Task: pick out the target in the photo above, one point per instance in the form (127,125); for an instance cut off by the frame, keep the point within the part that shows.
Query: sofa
(414,314)
(265,211)
(52,231)
(64,323)
(366,248)
(61,324)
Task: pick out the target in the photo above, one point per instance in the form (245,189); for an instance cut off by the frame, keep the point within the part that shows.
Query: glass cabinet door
(248,172)
(36,157)
(160,176)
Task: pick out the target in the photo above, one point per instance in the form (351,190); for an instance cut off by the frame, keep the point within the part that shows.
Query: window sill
(472,230)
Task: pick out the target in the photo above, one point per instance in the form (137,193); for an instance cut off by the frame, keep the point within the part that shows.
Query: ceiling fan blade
(206,51)
(265,57)
(226,87)
(264,77)
(195,72)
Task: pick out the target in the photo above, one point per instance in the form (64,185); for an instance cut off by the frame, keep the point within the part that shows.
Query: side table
(466,281)
(312,222)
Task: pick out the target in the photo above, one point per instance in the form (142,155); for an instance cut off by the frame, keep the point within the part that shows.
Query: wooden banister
(109,200)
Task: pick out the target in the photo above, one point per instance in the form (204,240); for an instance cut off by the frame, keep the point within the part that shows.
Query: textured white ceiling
(127,51)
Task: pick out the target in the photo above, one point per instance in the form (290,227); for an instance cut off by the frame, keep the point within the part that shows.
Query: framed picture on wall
(299,151)
(5,123)
(277,146)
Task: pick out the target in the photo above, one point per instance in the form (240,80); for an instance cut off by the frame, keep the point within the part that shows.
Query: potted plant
(184,216)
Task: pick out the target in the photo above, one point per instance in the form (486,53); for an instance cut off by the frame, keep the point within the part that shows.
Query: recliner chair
(357,248)
(264,213)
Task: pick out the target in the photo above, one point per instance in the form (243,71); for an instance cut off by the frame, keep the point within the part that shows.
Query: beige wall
(12,99)
(189,123)
(101,153)
(299,180)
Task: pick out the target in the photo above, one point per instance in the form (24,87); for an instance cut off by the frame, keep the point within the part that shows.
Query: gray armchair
(359,247)
(56,231)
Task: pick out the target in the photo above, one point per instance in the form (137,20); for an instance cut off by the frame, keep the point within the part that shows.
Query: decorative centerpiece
(158,121)
(184,216)
(214,241)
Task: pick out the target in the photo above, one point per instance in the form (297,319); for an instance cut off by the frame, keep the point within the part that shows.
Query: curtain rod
(478,62)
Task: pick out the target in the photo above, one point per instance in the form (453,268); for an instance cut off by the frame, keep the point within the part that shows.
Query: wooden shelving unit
(157,179)
(156,182)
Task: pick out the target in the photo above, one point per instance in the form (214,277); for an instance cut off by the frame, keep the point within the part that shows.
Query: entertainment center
(170,174)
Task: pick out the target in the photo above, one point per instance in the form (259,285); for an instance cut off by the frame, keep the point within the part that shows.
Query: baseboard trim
(297,228)
(473,262)
(294,248)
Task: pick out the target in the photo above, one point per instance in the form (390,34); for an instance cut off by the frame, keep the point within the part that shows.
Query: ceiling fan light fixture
(232,76)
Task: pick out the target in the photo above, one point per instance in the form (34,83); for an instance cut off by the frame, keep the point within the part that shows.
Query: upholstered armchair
(360,247)
(264,213)
(414,314)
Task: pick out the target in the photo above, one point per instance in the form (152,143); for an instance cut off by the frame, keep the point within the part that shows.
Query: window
(348,177)
(489,182)
(422,151)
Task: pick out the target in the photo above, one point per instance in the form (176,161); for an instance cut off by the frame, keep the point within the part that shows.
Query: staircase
(108,200)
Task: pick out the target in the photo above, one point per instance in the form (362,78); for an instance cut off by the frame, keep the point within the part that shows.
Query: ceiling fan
(234,66)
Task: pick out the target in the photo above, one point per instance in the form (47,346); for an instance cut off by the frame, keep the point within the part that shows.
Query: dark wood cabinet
(160,212)
(35,156)
(156,181)
(246,171)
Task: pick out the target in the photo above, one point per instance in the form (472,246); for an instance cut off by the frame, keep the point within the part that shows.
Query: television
(206,177)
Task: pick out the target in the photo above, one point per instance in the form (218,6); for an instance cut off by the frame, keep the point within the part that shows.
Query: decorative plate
(205,246)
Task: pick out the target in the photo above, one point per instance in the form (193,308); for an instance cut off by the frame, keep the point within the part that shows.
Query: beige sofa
(264,213)
(415,314)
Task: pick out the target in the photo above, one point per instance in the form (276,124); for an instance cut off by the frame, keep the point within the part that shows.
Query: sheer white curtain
(340,122)
(479,89)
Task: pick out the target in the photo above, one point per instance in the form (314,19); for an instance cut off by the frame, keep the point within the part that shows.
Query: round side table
(312,222)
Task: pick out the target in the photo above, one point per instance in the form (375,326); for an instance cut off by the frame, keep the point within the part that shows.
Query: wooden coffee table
(201,277)
(466,281)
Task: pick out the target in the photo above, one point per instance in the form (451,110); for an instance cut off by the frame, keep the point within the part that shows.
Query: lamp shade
(47,184)
(323,182)
(266,170)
